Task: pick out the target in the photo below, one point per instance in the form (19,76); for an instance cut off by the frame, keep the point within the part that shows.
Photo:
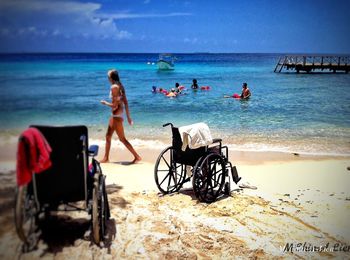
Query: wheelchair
(208,167)
(70,183)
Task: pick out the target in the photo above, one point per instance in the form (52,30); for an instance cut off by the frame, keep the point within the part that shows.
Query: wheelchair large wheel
(104,207)
(209,177)
(169,176)
(100,208)
(26,217)
(95,211)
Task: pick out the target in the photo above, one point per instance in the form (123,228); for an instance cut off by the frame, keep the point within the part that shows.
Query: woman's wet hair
(177,84)
(113,74)
(194,81)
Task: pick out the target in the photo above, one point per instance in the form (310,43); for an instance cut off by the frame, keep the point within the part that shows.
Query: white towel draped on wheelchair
(195,136)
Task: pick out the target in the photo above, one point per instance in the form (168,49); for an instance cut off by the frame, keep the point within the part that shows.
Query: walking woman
(119,101)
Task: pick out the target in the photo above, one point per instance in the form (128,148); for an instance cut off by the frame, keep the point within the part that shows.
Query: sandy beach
(300,209)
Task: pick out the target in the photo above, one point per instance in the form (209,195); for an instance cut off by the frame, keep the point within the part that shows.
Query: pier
(314,63)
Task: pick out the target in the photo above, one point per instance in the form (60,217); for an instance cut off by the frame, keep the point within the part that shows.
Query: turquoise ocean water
(305,113)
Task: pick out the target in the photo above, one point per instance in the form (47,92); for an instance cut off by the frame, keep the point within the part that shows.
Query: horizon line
(195,52)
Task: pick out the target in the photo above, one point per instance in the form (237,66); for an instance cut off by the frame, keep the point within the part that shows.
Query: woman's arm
(104,102)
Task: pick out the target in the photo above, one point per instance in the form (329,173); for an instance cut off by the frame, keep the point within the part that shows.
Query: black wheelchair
(208,167)
(71,183)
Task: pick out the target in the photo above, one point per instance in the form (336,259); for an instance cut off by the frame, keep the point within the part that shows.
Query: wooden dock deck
(314,63)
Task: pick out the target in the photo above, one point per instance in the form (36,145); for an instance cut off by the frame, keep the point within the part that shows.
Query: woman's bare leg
(118,127)
(108,141)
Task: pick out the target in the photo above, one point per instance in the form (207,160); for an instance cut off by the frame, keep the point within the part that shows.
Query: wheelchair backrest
(189,156)
(177,141)
(66,179)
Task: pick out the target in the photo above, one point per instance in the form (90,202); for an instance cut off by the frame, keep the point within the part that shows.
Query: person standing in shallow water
(119,101)
(245,91)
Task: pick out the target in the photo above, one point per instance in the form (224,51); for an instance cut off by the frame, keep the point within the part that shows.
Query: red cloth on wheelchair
(33,155)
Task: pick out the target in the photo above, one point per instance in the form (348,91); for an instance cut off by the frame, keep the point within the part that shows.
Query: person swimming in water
(172,93)
(177,88)
(194,84)
(119,101)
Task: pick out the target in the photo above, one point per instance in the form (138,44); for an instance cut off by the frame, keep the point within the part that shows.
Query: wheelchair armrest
(93,150)
(217,140)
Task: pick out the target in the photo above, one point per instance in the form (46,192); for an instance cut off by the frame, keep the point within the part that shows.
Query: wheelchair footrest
(234,174)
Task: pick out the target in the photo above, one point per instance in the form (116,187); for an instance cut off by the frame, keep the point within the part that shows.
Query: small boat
(166,61)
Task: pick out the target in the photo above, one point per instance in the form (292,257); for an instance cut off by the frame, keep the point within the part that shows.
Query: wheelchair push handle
(168,124)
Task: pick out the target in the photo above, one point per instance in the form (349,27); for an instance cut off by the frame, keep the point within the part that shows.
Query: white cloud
(50,6)
(31,31)
(118,16)
(123,35)
(108,29)
(68,19)
(190,40)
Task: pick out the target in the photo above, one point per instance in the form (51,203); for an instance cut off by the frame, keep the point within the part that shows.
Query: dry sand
(300,199)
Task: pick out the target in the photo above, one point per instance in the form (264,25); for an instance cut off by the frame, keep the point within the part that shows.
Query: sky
(153,26)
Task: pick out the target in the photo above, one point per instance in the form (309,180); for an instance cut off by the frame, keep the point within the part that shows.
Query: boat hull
(164,65)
